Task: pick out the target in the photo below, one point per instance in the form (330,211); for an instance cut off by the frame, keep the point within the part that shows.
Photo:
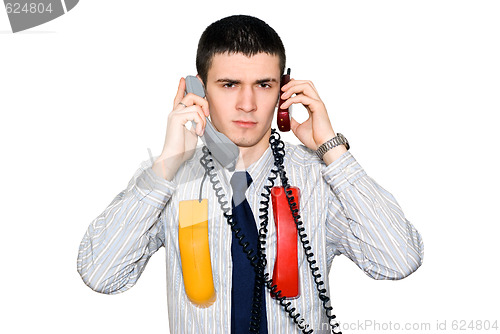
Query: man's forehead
(240,66)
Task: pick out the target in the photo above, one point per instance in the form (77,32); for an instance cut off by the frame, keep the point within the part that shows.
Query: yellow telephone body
(195,253)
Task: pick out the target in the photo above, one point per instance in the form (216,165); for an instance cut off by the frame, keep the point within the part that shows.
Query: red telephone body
(286,271)
(283,116)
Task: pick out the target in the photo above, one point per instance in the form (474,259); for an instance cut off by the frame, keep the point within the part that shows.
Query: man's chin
(248,141)
(247,137)
(245,142)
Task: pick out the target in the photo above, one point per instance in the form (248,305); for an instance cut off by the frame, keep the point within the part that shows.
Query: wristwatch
(339,139)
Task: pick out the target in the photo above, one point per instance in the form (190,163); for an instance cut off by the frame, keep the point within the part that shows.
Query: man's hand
(180,142)
(317,129)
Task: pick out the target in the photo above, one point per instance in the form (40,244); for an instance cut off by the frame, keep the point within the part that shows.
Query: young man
(344,211)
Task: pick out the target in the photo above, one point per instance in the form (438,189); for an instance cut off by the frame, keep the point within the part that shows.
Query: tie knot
(240,181)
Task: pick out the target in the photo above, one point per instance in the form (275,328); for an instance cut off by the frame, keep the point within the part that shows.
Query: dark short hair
(237,34)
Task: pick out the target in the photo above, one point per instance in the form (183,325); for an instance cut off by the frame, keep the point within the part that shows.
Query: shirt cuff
(343,172)
(152,189)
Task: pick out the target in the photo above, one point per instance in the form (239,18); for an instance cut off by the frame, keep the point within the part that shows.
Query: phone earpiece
(283,115)
(195,86)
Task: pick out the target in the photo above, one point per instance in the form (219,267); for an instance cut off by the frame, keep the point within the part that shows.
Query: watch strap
(339,139)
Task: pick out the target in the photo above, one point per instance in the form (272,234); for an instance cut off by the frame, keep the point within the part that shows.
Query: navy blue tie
(243,273)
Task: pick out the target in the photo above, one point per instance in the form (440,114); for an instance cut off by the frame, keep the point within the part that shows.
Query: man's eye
(265,85)
(229,85)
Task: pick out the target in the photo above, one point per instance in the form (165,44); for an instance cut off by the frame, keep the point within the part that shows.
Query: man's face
(242,93)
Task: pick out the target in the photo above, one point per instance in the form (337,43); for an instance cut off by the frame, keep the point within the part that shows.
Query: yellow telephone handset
(195,253)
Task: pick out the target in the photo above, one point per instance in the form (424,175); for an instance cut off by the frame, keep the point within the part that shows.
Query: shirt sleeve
(119,242)
(365,223)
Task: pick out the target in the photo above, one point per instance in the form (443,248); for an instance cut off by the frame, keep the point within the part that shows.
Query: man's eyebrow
(234,81)
(261,81)
(224,80)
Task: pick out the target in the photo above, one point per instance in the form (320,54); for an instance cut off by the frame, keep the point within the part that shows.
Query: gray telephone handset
(221,147)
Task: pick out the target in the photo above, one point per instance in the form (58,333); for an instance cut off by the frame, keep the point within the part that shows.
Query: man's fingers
(188,108)
(303,87)
(192,113)
(293,124)
(200,126)
(305,100)
(193,99)
(180,92)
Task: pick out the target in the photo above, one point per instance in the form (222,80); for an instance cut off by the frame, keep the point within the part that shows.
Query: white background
(414,86)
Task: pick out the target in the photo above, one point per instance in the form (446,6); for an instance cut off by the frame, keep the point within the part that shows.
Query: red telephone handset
(283,117)
(286,270)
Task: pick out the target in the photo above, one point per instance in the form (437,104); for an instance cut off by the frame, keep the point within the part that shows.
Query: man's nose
(246,99)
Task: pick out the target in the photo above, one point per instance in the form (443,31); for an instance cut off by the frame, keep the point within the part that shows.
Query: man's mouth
(245,124)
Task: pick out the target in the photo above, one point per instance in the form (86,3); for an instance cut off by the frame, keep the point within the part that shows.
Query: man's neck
(248,155)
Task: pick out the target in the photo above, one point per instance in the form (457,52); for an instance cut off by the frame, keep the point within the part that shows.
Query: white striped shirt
(344,211)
